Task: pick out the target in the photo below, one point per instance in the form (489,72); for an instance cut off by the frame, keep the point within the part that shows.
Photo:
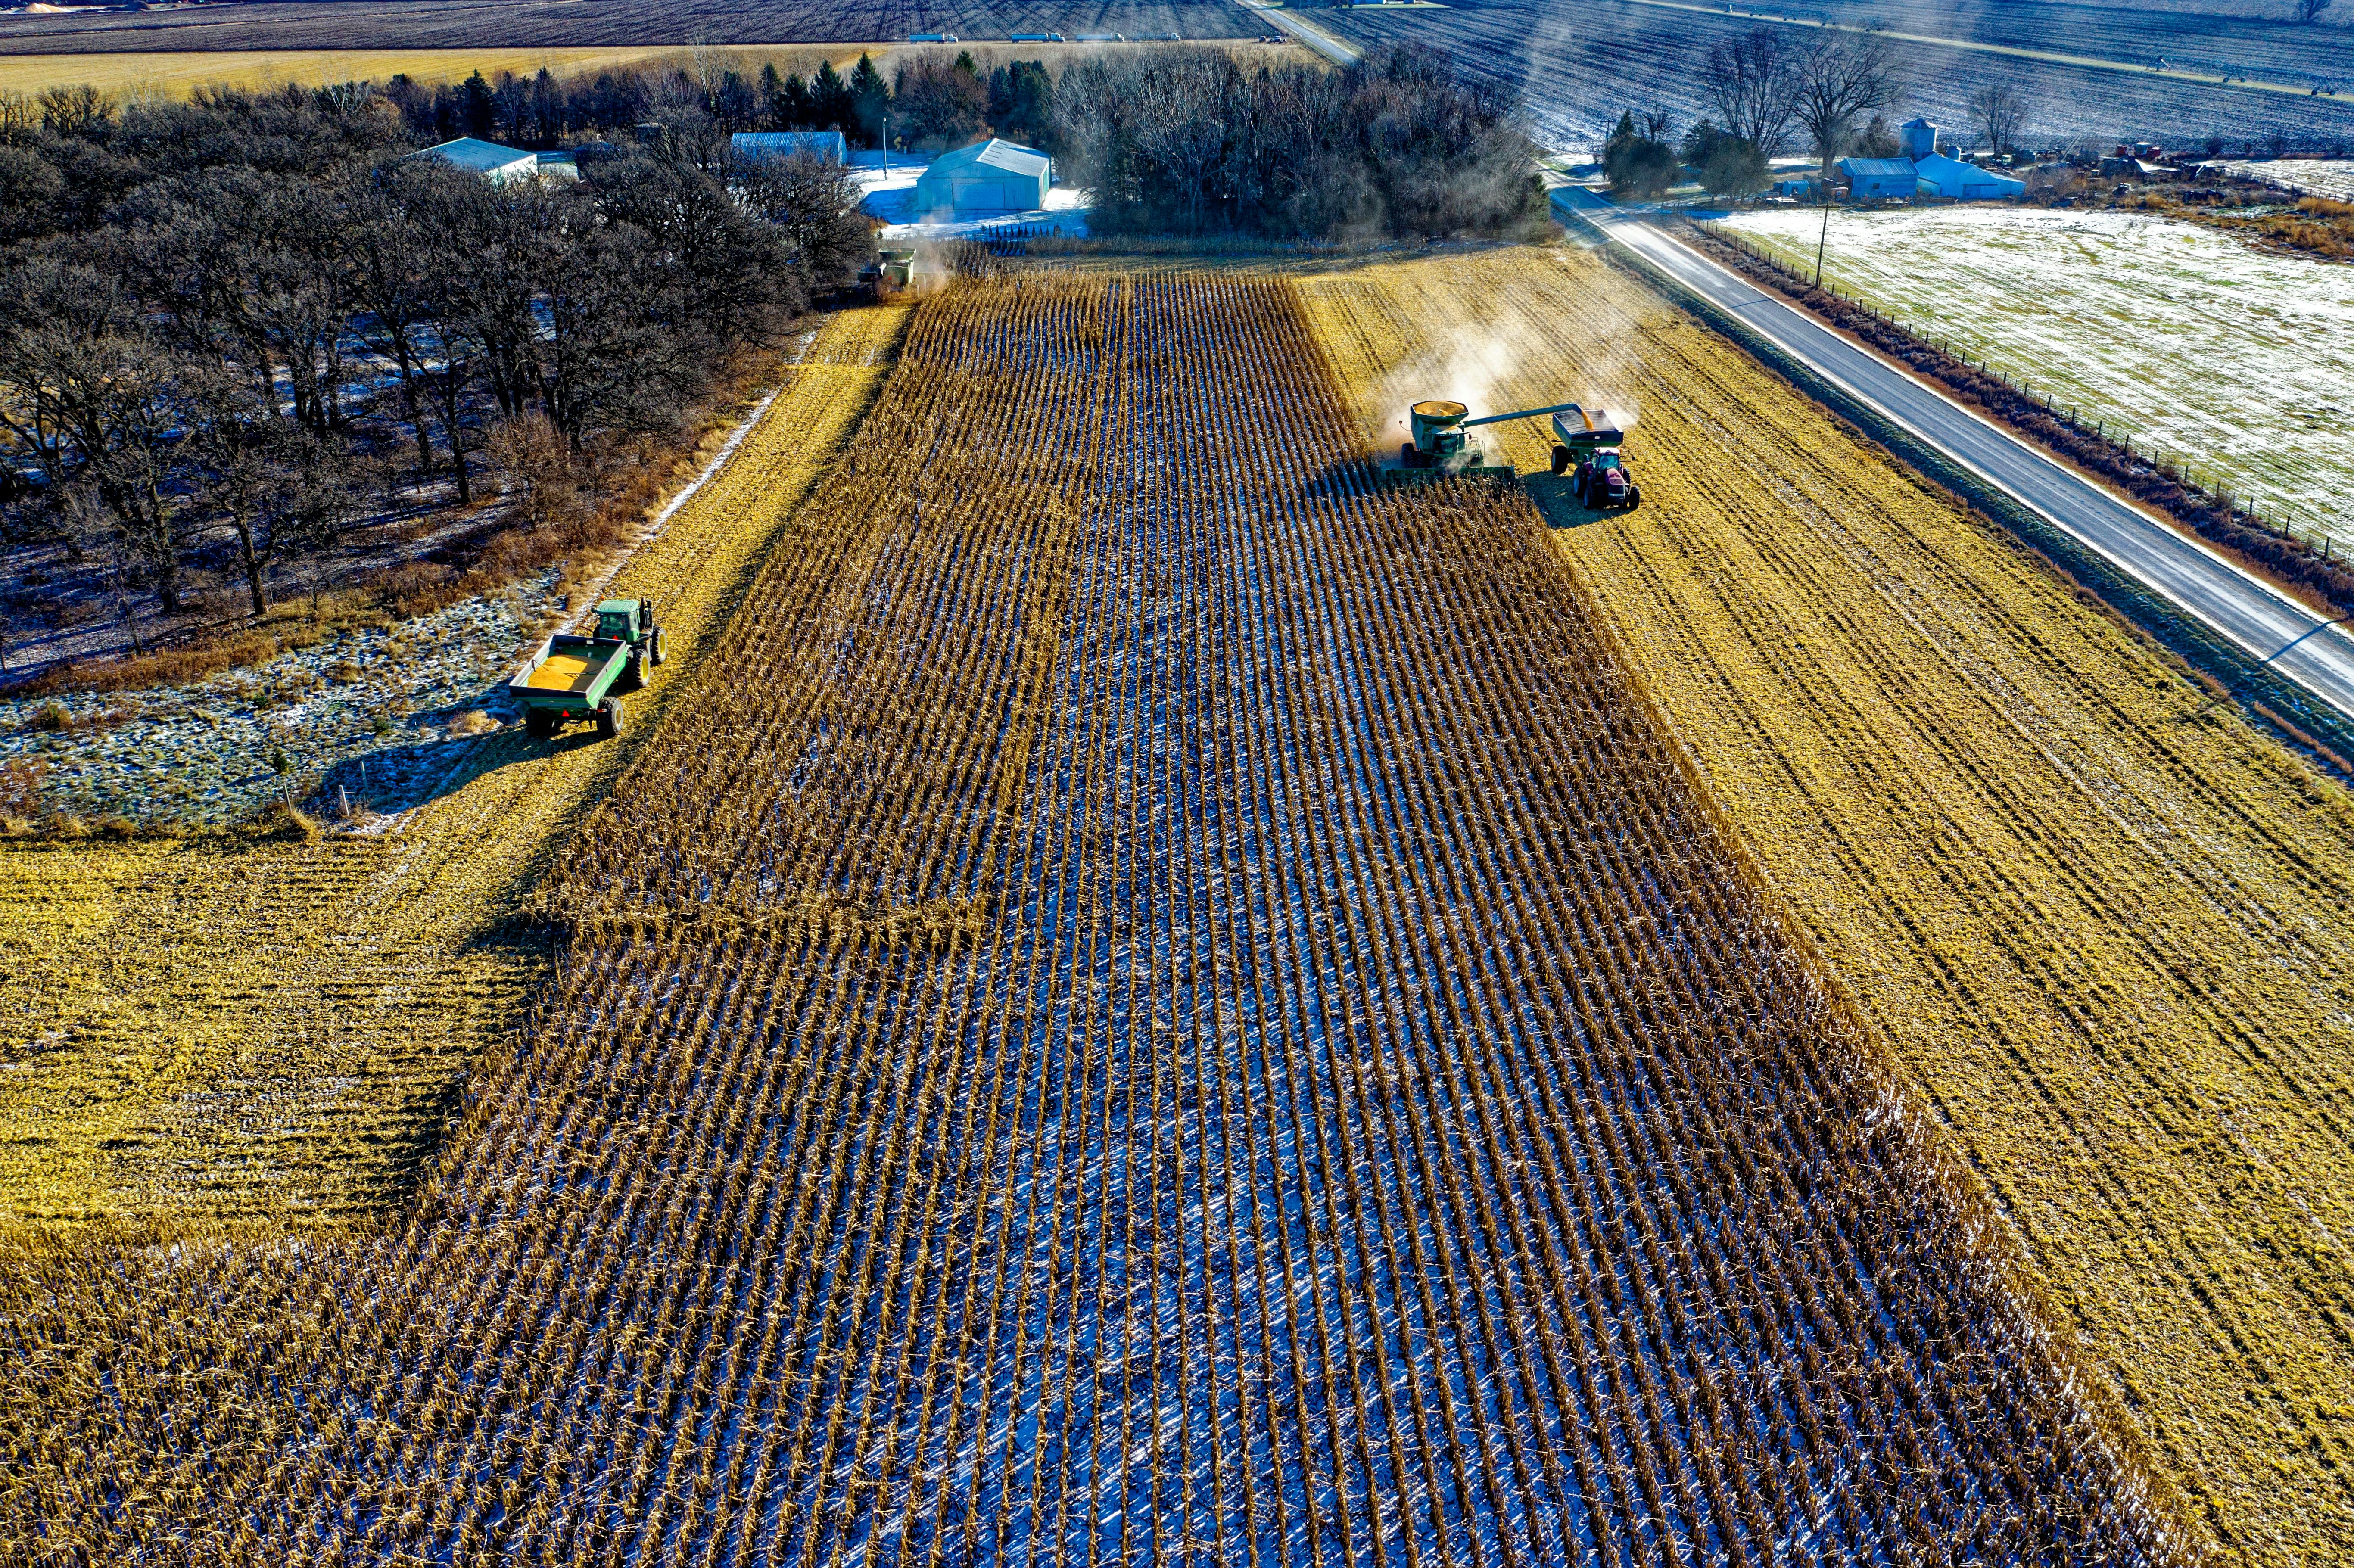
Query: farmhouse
(1953,180)
(1879,179)
(988,177)
(758,146)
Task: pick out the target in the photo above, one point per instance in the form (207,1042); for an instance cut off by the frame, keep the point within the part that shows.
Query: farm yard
(1139,1001)
(2102,926)
(567,25)
(323,1000)
(2197,345)
(1580,67)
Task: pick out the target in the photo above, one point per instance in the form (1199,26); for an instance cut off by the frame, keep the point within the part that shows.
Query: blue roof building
(1952,180)
(755,146)
(1879,179)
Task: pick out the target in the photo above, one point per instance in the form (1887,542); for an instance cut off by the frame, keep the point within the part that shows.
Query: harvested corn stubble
(1145,1005)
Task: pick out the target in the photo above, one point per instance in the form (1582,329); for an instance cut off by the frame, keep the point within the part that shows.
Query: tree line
(1191,141)
(233,328)
(930,102)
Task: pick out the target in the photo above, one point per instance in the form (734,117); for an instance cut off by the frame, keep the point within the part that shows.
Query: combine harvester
(1440,450)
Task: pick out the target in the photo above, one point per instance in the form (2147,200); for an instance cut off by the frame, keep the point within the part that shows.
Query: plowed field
(2109,930)
(1146,1004)
(276,1030)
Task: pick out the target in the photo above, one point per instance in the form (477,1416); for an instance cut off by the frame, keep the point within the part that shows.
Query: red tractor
(1603,479)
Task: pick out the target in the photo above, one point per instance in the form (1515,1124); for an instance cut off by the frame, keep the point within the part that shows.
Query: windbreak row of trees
(1187,140)
(930,102)
(271,323)
(1768,93)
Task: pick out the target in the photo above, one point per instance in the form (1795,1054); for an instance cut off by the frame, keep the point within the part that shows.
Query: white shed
(982,180)
(496,163)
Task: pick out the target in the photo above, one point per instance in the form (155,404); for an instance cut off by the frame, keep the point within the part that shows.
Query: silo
(1919,139)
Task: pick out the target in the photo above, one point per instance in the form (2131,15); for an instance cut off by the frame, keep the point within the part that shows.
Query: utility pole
(1825,237)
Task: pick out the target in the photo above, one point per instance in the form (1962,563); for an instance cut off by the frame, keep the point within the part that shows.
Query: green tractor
(583,677)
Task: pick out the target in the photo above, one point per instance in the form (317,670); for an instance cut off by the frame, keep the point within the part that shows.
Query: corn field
(1149,1003)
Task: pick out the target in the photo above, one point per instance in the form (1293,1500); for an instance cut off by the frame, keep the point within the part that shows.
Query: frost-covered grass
(2197,345)
(2330,177)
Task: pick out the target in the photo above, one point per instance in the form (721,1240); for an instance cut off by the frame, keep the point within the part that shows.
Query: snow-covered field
(2331,177)
(2239,360)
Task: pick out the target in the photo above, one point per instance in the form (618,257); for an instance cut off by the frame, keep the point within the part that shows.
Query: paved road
(2251,613)
(1339,50)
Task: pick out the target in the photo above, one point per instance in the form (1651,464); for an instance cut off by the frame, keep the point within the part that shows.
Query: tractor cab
(620,619)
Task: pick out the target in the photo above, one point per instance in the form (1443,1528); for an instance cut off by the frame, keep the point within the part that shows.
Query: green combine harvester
(1440,450)
(582,677)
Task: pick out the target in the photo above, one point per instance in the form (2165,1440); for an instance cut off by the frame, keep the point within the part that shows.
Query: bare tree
(1835,78)
(89,396)
(1749,82)
(20,117)
(815,206)
(2310,11)
(1999,109)
(74,111)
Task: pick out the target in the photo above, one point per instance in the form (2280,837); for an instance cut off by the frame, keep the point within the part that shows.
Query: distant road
(2292,641)
(1339,51)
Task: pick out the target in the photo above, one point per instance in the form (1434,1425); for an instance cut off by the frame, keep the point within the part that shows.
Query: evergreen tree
(829,101)
(869,101)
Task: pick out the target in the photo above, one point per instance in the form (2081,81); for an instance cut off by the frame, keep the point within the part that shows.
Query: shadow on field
(1556,500)
(395,779)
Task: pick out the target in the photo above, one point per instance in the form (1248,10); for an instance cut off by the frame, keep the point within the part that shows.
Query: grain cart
(1592,441)
(582,677)
(1440,450)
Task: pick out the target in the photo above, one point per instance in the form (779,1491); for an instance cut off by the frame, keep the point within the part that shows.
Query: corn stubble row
(1151,1006)
(2098,921)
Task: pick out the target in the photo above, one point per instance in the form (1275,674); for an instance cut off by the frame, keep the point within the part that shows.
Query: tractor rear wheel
(634,673)
(1560,460)
(1633,496)
(608,718)
(539,723)
(653,647)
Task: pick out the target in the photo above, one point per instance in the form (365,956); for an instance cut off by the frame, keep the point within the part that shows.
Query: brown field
(207,1030)
(135,76)
(177,74)
(2106,927)
(601,25)
(1145,1003)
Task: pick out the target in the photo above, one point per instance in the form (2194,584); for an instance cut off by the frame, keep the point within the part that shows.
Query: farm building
(1918,138)
(1953,180)
(1878,179)
(989,176)
(756,146)
(488,159)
